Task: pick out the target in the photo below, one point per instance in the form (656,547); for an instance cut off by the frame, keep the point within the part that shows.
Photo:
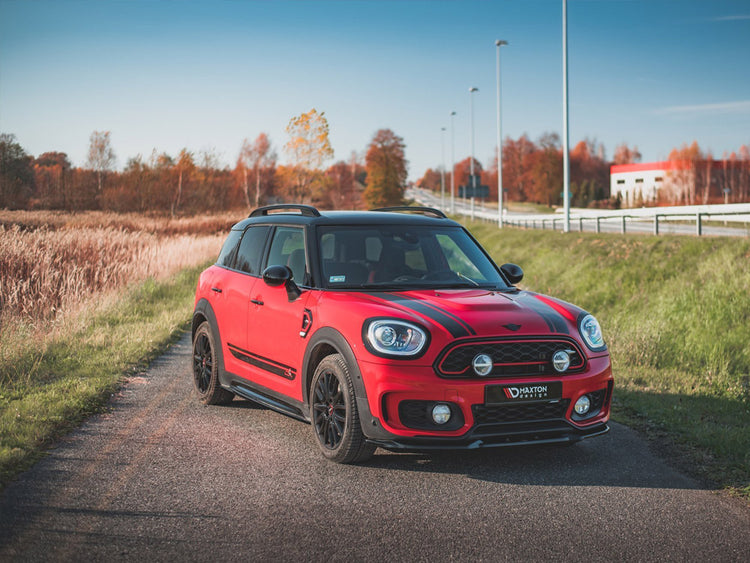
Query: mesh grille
(531,412)
(517,357)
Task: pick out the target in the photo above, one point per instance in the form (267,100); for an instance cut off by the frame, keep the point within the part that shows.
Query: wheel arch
(203,312)
(324,342)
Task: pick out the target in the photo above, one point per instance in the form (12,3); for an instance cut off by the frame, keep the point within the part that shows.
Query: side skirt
(267,398)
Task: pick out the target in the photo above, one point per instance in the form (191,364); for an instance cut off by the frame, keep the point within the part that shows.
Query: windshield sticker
(337,279)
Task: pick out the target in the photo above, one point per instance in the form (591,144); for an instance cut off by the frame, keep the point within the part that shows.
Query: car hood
(482,313)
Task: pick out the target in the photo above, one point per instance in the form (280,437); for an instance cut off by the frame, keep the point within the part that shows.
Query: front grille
(530,412)
(529,357)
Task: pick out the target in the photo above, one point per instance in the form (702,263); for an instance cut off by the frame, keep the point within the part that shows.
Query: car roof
(421,217)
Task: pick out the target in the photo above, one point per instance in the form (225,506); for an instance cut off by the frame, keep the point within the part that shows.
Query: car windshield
(404,257)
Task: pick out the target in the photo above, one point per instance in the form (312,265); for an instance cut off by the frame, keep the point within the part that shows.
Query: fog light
(482,364)
(441,413)
(561,360)
(583,405)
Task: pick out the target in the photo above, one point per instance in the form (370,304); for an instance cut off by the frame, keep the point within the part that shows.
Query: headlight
(391,337)
(591,333)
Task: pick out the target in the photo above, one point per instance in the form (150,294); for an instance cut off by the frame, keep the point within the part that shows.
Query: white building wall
(630,184)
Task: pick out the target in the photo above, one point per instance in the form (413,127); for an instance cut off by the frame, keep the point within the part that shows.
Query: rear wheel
(206,368)
(335,419)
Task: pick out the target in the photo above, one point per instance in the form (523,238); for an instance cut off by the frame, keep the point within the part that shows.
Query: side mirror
(274,276)
(513,272)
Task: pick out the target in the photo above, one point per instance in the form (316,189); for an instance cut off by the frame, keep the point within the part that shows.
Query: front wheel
(335,420)
(206,368)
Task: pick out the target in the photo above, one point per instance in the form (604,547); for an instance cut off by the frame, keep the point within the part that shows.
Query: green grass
(47,392)
(675,312)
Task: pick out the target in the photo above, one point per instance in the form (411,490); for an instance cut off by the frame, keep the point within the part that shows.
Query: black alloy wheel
(329,410)
(206,369)
(335,420)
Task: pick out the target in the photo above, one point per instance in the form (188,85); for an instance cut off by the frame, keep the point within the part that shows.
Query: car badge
(512,327)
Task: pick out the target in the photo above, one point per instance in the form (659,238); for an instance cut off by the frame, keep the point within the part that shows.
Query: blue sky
(206,75)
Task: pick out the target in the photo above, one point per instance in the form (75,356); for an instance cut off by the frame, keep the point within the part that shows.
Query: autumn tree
(342,184)
(517,157)
(184,167)
(547,170)
(463,171)
(308,148)
(431,180)
(386,170)
(626,155)
(16,173)
(51,171)
(101,156)
(682,178)
(257,157)
(589,173)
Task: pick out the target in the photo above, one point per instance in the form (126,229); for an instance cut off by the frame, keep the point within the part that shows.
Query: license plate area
(545,391)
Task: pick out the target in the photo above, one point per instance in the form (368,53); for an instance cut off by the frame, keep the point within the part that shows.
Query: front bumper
(482,425)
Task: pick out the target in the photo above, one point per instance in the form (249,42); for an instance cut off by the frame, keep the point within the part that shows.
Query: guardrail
(643,219)
(655,216)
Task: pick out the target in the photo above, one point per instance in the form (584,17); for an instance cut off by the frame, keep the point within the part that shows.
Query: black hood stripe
(437,309)
(457,330)
(554,320)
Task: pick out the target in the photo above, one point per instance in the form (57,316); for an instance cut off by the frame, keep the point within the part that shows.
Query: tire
(206,368)
(333,407)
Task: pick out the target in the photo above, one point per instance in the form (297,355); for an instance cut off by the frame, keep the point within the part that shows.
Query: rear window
(229,250)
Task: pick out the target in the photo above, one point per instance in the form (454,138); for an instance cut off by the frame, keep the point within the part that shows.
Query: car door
(232,290)
(278,323)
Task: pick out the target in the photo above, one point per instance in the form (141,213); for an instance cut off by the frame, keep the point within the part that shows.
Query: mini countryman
(393,328)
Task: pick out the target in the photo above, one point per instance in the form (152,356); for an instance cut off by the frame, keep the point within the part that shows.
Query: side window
(288,249)
(251,250)
(229,250)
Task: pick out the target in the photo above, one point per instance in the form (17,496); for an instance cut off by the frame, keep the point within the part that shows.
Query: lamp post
(566,130)
(471,162)
(442,170)
(453,167)
(498,44)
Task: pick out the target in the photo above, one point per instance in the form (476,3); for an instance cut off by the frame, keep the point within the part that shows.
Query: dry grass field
(55,266)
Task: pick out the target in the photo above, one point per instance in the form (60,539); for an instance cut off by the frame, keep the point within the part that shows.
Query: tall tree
(386,170)
(308,148)
(16,173)
(257,157)
(185,166)
(516,167)
(101,156)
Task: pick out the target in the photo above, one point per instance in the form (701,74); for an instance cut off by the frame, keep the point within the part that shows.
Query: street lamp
(498,44)
(442,170)
(471,163)
(566,125)
(453,167)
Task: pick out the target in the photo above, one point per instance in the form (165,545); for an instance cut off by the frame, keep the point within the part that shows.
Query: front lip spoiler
(427,444)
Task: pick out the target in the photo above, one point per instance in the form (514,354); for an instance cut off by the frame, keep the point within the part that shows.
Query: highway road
(160,477)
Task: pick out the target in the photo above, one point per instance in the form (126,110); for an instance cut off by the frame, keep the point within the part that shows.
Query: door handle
(256,301)
(216,289)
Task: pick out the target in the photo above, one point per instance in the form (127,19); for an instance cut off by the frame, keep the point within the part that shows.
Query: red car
(393,330)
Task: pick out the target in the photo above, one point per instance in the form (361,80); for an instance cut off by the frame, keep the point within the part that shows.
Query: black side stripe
(554,320)
(457,329)
(265,364)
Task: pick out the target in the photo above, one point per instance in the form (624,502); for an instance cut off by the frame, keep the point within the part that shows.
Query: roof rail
(423,210)
(306,210)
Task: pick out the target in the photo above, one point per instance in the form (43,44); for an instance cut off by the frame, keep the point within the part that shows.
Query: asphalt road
(162,478)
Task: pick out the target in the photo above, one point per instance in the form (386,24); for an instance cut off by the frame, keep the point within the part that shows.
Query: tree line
(533,172)
(193,182)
